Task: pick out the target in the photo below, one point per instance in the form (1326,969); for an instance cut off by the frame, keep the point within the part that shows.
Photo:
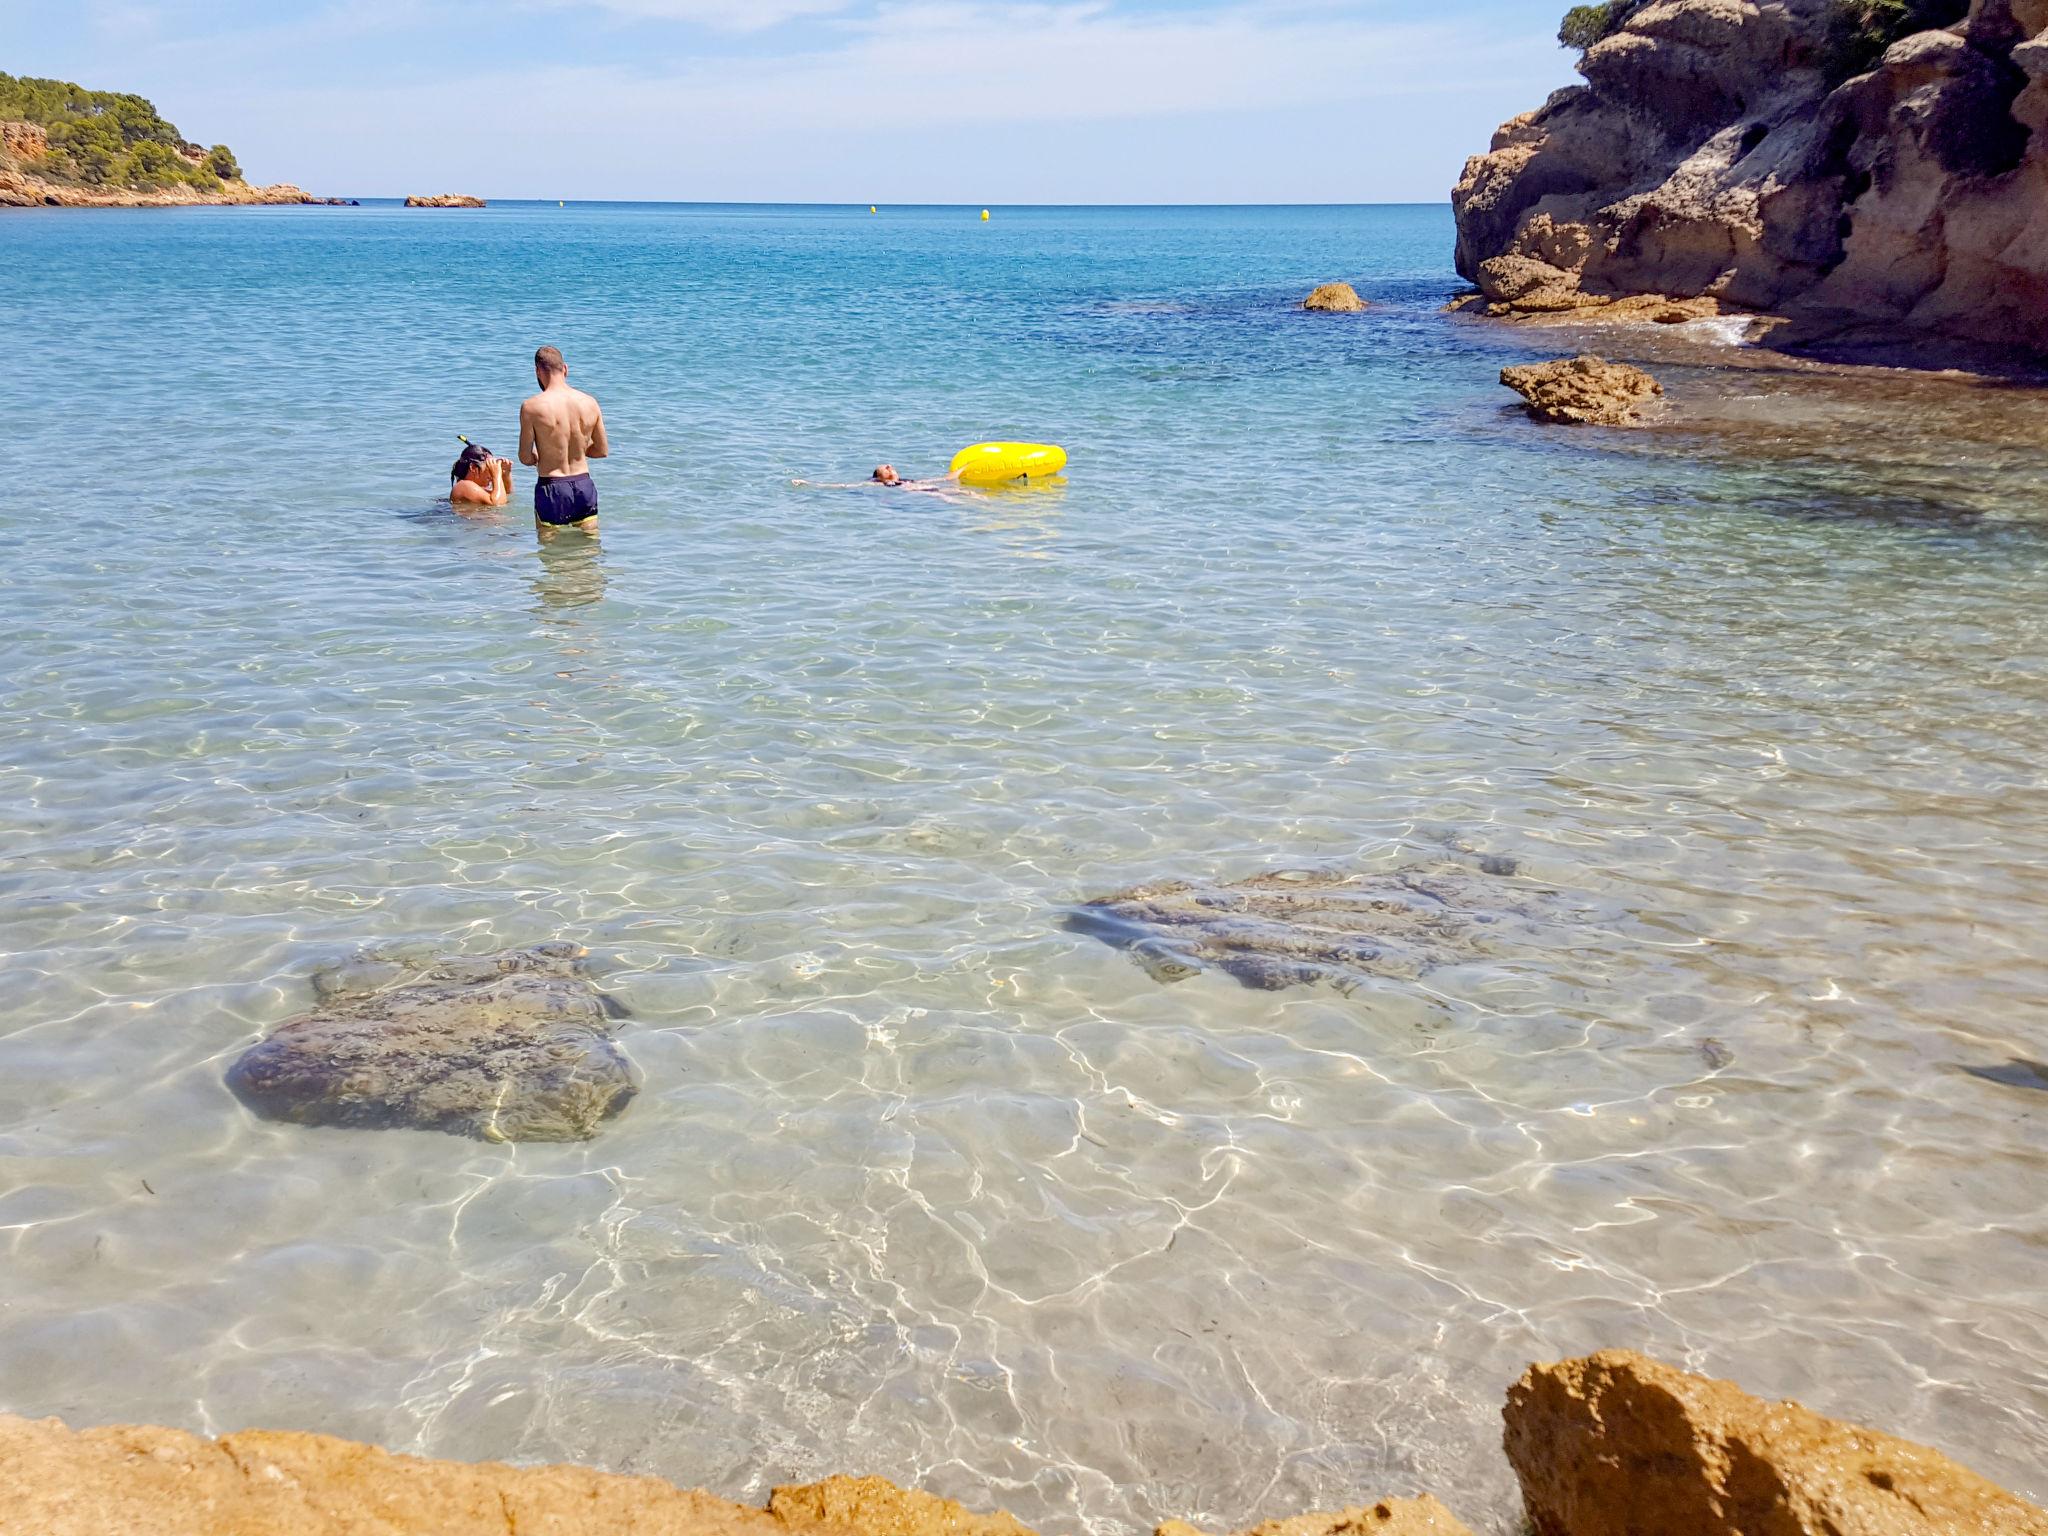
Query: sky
(833,101)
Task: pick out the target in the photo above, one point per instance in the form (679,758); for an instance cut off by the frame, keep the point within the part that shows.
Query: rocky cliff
(1719,148)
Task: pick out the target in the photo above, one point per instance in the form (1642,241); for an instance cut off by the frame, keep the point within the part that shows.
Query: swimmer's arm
(504,483)
(529,451)
(466,494)
(600,445)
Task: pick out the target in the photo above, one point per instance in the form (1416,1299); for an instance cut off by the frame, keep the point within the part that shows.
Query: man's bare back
(560,431)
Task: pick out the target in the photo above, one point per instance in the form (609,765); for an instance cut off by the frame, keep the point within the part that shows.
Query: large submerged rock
(1716,150)
(1423,1516)
(1583,390)
(507,1047)
(1291,927)
(1617,1444)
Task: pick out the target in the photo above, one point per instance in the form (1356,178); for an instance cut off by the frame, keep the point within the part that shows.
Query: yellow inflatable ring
(1000,463)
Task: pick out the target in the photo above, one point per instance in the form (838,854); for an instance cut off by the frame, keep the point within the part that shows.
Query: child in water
(885,476)
(479,479)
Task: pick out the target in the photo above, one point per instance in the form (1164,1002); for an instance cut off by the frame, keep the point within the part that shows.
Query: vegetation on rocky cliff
(1862,29)
(110,138)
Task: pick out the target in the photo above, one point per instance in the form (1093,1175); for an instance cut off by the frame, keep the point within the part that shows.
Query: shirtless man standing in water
(560,431)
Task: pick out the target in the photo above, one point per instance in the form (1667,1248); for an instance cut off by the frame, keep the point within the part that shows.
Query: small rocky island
(63,146)
(1871,169)
(446,200)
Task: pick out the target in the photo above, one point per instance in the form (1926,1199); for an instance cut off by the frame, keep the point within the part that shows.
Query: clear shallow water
(919,1182)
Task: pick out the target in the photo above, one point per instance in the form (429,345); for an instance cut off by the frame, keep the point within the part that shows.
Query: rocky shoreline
(1716,151)
(18,189)
(1614,1444)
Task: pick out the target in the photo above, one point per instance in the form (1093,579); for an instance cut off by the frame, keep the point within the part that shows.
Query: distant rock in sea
(1583,391)
(446,200)
(1335,298)
(1292,927)
(1815,159)
(515,1046)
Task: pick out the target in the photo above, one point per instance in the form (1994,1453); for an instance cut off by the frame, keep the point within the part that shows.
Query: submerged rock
(1617,1444)
(1423,1516)
(874,1504)
(1292,927)
(514,1046)
(1335,298)
(1583,390)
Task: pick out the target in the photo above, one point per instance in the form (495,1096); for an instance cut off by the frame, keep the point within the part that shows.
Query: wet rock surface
(515,1046)
(1296,927)
(1617,1444)
(1583,391)
(1335,298)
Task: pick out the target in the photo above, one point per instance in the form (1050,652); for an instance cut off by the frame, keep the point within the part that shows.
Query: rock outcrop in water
(1292,927)
(1335,298)
(446,200)
(1611,1445)
(508,1047)
(1716,150)
(1617,1444)
(1583,390)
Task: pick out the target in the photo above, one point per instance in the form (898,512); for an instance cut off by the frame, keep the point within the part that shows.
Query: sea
(921,1179)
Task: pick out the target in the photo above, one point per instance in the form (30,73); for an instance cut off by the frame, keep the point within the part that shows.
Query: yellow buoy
(561,205)
(871,207)
(984,215)
(1000,463)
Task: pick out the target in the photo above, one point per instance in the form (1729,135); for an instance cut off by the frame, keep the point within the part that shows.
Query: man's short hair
(549,360)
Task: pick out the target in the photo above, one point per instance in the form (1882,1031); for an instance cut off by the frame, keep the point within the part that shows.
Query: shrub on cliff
(1585,25)
(109,137)
(1863,29)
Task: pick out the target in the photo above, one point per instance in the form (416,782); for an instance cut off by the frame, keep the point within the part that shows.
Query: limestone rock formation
(1335,298)
(1390,1517)
(1716,150)
(508,1047)
(1619,1445)
(1292,927)
(1583,390)
(24,141)
(446,200)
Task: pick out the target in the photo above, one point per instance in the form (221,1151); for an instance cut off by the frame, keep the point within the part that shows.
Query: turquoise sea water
(920,1182)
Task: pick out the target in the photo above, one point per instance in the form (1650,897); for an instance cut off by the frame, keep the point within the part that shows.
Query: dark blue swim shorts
(564,499)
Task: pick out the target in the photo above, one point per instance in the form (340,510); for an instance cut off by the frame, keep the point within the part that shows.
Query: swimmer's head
(473,463)
(885,474)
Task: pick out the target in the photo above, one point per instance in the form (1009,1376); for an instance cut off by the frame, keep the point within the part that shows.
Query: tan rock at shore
(1617,1444)
(446,200)
(24,141)
(1583,390)
(1335,298)
(56,1481)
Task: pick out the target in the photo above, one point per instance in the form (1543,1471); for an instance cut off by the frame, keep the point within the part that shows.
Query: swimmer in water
(479,478)
(886,478)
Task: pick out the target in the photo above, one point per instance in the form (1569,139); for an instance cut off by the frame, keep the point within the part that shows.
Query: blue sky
(973,101)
